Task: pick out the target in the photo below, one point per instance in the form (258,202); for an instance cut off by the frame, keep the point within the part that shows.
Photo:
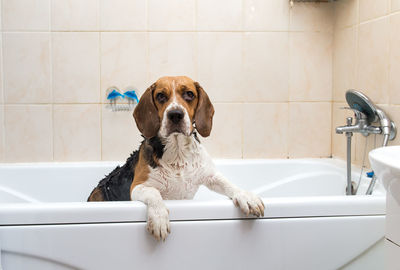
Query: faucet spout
(343,129)
(359,129)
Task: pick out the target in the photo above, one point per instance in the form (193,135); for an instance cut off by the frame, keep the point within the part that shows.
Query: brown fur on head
(180,92)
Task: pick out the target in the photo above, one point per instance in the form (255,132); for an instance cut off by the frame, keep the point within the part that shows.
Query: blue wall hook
(114,94)
(131,95)
(116,99)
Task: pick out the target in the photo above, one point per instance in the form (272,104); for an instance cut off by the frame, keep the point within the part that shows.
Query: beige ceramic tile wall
(366,57)
(266,66)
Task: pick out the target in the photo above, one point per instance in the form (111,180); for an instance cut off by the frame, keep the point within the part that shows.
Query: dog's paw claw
(158,223)
(249,203)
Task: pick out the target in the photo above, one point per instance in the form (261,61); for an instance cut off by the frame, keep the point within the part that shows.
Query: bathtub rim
(111,212)
(333,161)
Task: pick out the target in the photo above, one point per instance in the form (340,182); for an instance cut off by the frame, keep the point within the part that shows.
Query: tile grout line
(51,80)
(98,20)
(287,128)
(331,130)
(242,128)
(332,78)
(147,43)
(242,15)
(242,40)
(195,15)
(3,120)
(100,81)
(196,41)
(242,67)
(290,37)
(100,97)
(179,31)
(389,57)
(357,29)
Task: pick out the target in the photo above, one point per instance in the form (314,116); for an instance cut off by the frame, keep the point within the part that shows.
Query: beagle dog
(171,163)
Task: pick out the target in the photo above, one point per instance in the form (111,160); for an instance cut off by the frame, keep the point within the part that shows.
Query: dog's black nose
(175,116)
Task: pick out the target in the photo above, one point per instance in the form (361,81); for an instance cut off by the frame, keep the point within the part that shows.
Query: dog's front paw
(158,222)
(249,203)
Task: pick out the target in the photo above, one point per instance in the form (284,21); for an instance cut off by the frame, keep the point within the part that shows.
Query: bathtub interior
(73,182)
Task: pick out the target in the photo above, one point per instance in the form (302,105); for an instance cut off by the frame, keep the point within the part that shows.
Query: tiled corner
(30,84)
(220,65)
(265,130)
(124,61)
(172,54)
(120,136)
(77,132)
(2,130)
(345,13)
(26,15)
(28,133)
(394,60)
(221,15)
(344,62)
(123,15)
(310,129)
(312,17)
(76,67)
(266,82)
(310,66)
(261,15)
(225,140)
(395,5)
(171,15)
(339,142)
(75,15)
(370,9)
(373,59)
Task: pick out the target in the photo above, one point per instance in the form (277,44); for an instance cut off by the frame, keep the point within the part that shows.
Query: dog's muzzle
(175,116)
(176,121)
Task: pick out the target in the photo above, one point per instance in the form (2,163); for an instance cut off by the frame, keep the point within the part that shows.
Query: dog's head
(174,104)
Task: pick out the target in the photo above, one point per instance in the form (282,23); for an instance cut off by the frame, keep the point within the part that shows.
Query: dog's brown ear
(146,115)
(204,112)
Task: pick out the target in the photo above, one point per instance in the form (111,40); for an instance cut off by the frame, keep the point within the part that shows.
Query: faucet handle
(358,114)
(349,121)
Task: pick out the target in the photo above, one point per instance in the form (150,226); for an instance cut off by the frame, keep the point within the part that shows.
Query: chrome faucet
(361,125)
(365,113)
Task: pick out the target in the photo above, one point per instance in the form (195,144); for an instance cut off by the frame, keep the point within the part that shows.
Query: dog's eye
(188,96)
(161,97)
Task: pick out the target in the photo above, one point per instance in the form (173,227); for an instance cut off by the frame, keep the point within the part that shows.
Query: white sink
(385,162)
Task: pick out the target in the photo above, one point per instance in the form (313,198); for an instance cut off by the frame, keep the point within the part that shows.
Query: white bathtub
(45,222)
